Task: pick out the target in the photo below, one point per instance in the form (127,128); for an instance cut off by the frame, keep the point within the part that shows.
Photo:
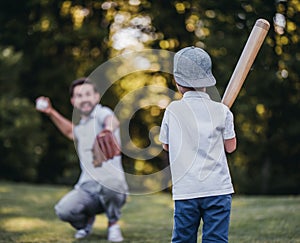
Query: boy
(197,131)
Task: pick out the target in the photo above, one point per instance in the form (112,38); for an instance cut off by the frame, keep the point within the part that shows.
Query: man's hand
(43,104)
(98,156)
(108,144)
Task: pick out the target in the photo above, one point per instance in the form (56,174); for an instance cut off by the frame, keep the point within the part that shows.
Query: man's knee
(61,214)
(68,214)
(112,197)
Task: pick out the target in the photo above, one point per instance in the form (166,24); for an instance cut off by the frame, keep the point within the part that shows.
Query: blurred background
(45,44)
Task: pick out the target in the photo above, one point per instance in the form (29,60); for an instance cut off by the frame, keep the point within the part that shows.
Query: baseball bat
(253,44)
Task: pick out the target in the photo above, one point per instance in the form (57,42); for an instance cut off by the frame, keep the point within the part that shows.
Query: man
(100,189)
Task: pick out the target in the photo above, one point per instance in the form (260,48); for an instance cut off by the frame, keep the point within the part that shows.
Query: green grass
(27,215)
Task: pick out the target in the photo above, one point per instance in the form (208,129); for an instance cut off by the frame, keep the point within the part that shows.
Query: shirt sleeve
(102,112)
(229,132)
(164,129)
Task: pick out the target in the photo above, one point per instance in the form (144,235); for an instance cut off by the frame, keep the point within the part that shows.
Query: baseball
(41,104)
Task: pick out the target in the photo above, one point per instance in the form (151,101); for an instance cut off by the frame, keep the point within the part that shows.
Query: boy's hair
(81,81)
(189,88)
(192,88)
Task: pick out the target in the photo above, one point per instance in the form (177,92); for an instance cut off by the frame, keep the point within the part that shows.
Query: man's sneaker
(82,233)
(114,233)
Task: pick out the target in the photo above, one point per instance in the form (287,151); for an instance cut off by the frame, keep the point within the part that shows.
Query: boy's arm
(230,145)
(63,124)
(165,147)
(229,133)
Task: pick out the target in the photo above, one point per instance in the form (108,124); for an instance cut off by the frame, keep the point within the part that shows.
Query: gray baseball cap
(192,68)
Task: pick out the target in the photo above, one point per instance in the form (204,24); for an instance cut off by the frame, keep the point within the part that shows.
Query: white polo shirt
(111,173)
(194,128)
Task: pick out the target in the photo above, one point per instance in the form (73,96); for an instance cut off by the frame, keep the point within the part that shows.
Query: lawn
(26,215)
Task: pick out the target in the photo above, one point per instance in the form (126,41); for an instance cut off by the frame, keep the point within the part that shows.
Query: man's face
(85,98)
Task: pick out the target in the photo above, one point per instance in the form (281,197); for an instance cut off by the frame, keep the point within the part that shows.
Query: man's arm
(63,124)
(111,123)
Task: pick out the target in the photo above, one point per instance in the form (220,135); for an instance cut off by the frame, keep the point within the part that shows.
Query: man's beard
(86,112)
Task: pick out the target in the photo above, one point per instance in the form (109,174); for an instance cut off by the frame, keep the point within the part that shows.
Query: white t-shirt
(111,173)
(194,128)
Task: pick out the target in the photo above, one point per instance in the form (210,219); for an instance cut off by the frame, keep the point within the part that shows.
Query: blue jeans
(215,213)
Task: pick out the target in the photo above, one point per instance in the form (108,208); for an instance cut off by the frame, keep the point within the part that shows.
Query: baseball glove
(98,156)
(108,144)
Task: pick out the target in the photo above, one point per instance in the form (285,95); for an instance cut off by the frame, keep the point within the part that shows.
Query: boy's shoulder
(219,106)
(182,108)
(173,104)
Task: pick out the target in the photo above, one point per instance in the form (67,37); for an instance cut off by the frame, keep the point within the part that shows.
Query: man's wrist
(109,128)
(51,113)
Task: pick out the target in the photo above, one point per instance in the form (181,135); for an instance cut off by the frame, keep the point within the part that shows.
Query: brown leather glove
(98,156)
(108,144)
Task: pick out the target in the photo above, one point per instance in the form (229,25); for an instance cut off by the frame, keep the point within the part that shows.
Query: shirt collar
(91,115)
(195,94)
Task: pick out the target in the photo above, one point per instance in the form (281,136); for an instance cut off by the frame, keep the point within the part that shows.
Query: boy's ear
(72,101)
(179,88)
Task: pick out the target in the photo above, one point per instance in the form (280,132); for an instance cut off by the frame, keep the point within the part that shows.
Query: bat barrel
(254,42)
(262,23)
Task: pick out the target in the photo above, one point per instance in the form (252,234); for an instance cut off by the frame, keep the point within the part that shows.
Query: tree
(49,43)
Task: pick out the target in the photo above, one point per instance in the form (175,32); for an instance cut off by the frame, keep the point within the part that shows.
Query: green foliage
(23,141)
(46,44)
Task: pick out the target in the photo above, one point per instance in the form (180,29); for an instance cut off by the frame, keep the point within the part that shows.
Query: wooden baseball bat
(254,42)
